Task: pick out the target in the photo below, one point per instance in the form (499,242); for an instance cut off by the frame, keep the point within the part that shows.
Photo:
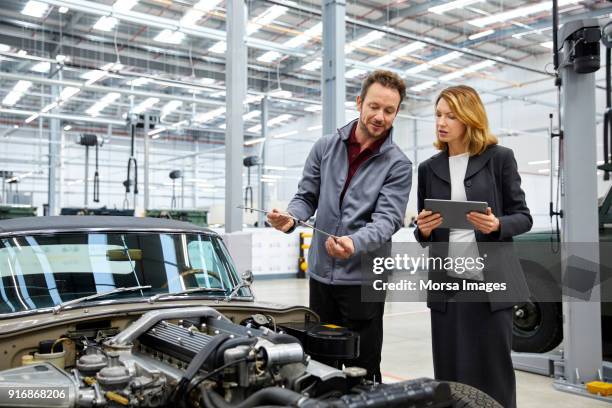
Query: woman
(472,339)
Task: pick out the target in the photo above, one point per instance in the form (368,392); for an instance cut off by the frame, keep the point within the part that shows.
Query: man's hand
(485,223)
(340,247)
(280,220)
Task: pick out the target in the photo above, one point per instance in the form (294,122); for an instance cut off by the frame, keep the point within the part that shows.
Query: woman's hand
(485,223)
(427,221)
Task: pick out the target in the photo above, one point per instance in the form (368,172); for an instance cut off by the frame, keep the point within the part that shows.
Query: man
(358,181)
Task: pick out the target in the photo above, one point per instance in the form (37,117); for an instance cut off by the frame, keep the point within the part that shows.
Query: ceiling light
(366,39)
(223,126)
(146,104)
(251,115)
(355,72)
(105,23)
(279,119)
(254,129)
(468,70)
(265,18)
(206,81)
(305,37)
(124,5)
(5,48)
(67,128)
(99,106)
(452,5)
(218,47)
(423,86)
(157,131)
(437,61)
(518,12)
(313,65)
(481,34)
(207,116)
(170,107)
(49,107)
(112,66)
(254,141)
(22,53)
(269,56)
(139,81)
(400,52)
(16,93)
(110,97)
(35,9)
(170,37)
(61,58)
(11,98)
(317,127)
(22,86)
(538,162)
(191,17)
(68,92)
(281,135)
(280,93)
(313,108)
(253,98)
(93,76)
(197,12)
(63,10)
(539,31)
(42,67)
(547,44)
(31,118)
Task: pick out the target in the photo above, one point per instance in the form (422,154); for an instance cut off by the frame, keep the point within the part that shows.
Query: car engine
(196,357)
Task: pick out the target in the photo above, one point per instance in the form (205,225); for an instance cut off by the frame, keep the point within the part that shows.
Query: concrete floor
(407,347)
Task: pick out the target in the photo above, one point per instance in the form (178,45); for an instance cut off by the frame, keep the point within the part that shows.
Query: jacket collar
(439,163)
(345,132)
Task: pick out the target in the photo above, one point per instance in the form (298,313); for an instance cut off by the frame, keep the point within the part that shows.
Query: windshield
(40,271)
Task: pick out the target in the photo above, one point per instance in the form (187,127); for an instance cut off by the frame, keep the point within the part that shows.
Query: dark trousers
(472,345)
(342,305)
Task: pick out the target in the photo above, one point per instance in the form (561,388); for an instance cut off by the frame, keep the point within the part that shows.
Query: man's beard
(364,128)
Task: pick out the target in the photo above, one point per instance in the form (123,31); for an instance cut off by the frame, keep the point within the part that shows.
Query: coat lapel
(477,162)
(439,165)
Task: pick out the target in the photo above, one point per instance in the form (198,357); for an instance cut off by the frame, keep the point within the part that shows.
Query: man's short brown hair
(387,79)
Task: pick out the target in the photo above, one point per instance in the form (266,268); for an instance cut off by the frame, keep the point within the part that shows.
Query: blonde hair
(467,106)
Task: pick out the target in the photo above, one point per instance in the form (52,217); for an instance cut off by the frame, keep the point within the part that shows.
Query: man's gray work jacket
(372,210)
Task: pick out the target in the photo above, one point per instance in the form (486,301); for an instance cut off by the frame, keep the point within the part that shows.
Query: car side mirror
(247,277)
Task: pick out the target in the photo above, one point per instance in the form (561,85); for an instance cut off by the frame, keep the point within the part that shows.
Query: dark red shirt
(356,156)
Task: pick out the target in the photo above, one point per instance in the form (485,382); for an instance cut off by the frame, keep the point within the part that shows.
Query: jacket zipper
(342,205)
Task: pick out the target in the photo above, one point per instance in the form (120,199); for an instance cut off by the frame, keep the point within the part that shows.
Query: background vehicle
(538,325)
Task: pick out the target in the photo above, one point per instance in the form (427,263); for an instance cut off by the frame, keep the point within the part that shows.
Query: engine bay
(198,357)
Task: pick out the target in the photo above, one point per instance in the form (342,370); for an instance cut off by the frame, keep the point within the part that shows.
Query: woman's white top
(462,242)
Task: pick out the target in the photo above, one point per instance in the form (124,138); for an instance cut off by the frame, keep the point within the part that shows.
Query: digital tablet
(454,212)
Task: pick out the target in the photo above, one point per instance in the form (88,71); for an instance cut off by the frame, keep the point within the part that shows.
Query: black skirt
(472,345)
